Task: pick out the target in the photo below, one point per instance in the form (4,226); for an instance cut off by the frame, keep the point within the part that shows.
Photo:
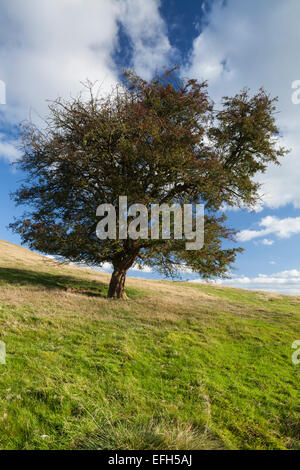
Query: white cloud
(144,269)
(108,267)
(48,47)
(49,256)
(105,267)
(147,31)
(256,44)
(281,228)
(286,282)
(8,149)
(267,242)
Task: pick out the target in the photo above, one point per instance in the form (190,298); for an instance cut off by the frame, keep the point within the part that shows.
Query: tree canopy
(156,142)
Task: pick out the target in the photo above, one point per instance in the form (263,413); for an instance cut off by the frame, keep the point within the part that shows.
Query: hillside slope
(178,366)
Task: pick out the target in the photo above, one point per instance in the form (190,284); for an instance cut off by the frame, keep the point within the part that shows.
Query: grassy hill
(178,366)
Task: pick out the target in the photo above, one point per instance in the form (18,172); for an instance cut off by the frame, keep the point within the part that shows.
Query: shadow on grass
(91,288)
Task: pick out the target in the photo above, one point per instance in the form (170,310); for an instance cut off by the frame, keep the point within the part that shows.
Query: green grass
(178,366)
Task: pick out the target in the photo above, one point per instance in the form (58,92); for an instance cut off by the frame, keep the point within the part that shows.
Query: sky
(47,48)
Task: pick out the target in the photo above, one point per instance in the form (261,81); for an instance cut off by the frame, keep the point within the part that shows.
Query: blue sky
(47,48)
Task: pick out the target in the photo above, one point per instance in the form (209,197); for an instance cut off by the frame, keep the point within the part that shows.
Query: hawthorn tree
(161,141)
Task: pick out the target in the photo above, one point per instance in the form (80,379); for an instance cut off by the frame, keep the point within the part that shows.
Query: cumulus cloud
(286,282)
(281,228)
(256,44)
(134,268)
(47,48)
(146,29)
(9,149)
(267,242)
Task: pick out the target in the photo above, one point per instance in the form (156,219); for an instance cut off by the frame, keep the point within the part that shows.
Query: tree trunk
(116,288)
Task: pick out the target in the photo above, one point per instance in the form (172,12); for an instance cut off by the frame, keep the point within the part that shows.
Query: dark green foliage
(157,142)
